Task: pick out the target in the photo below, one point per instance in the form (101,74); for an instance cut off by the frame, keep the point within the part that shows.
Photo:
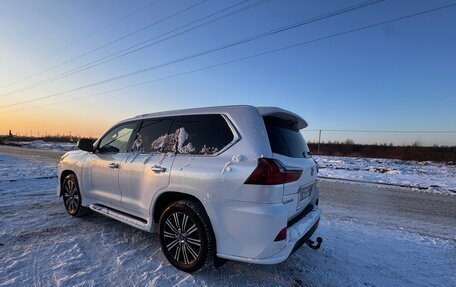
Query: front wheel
(72,196)
(186,236)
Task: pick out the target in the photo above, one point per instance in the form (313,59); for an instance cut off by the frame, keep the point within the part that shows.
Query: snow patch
(190,158)
(176,142)
(208,150)
(159,143)
(138,143)
(434,176)
(237,158)
(40,144)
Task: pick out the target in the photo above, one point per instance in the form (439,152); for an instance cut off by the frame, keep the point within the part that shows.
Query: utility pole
(319,139)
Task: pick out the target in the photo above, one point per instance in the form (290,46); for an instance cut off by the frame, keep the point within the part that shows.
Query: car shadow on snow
(138,255)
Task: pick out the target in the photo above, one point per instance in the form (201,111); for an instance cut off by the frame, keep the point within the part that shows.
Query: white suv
(232,182)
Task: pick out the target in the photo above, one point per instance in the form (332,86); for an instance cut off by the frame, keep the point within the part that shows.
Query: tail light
(282,235)
(270,171)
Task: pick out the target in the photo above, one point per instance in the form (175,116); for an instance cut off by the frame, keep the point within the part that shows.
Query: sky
(398,76)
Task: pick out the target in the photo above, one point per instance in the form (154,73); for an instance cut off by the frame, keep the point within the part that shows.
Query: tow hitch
(314,245)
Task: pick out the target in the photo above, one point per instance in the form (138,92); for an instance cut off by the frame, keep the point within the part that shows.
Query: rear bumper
(306,237)
(297,235)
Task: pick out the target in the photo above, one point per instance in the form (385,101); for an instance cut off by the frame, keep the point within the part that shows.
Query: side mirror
(86,145)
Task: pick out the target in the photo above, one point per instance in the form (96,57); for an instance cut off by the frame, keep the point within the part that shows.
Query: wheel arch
(64,174)
(166,198)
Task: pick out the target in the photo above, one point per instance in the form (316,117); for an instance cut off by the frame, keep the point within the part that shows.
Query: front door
(102,167)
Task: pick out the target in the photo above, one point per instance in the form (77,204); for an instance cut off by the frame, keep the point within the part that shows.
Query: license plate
(304,193)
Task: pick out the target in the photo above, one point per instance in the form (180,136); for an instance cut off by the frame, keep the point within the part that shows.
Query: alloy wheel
(71,196)
(182,238)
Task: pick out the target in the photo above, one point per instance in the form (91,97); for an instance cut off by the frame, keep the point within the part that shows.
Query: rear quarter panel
(218,181)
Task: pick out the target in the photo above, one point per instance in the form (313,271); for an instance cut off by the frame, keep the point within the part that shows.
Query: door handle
(158,169)
(113,165)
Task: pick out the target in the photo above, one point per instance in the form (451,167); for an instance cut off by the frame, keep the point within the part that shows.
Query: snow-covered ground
(12,169)
(40,245)
(40,144)
(431,176)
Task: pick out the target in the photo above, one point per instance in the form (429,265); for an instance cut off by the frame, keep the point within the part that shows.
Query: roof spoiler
(298,122)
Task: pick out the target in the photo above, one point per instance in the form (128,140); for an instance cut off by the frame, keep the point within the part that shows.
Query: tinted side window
(283,139)
(200,134)
(117,139)
(152,136)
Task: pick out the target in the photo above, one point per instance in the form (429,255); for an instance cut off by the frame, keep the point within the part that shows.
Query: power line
(258,55)
(209,51)
(300,44)
(230,62)
(146,44)
(105,45)
(127,51)
(83,38)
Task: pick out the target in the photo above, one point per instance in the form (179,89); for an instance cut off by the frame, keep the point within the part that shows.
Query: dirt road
(391,207)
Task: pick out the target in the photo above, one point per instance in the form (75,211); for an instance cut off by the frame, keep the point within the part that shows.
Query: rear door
(146,168)
(200,157)
(289,147)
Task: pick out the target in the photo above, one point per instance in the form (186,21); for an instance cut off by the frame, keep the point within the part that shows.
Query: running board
(121,216)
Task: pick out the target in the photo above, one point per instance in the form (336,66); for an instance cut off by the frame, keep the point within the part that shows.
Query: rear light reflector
(271,171)
(282,235)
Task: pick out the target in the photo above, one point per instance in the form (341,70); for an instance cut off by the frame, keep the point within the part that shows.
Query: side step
(121,216)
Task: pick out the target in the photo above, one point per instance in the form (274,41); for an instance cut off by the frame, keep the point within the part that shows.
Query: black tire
(72,197)
(186,236)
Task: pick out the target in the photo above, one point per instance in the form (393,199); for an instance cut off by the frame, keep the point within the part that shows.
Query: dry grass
(414,152)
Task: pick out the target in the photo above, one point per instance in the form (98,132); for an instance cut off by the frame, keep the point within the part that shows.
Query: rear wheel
(186,236)
(72,196)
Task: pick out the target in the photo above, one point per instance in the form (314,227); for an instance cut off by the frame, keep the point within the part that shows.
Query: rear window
(201,134)
(152,136)
(284,139)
